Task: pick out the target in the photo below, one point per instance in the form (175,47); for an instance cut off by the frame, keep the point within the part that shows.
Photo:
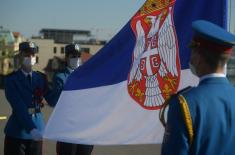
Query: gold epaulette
(187,117)
(165,105)
(162,112)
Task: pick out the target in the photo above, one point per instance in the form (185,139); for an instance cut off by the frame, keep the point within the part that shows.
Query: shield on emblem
(155,70)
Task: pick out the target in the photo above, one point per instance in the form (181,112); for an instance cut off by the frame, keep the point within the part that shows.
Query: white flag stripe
(103,124)
(107,118)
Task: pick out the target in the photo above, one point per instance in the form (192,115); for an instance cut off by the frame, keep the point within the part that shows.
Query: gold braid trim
(187,117)
(162,113)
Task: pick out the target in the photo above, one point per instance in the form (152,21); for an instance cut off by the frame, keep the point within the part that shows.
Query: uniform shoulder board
(163,109)
(41,73)
(10,74)
(184,90)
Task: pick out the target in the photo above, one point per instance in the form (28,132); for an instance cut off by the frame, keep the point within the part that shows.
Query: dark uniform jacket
(24,97)
(58,82)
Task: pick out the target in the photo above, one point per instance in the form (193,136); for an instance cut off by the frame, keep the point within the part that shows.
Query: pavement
(49,146)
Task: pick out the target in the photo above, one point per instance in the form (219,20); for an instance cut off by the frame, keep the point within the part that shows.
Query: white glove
(36,134)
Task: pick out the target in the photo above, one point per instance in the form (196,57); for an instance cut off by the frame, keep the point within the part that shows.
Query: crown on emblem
(154,5)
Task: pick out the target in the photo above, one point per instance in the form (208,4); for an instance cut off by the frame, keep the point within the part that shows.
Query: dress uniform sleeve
(18,105)
(45,82)
(55,91)
(175,137)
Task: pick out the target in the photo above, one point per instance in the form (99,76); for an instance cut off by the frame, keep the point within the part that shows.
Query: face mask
(29,61)
(74,63)
(193,69)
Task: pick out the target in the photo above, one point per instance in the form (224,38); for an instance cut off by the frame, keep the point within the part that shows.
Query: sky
(103,17)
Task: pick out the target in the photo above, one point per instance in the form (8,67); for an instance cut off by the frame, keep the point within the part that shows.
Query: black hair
(214,59)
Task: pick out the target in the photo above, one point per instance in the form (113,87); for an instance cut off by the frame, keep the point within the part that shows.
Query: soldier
(24,90)
(73,60)
(201,120)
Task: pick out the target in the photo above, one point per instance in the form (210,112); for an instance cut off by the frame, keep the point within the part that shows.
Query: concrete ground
(49,146)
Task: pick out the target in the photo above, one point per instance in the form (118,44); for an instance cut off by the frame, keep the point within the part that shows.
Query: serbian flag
(115,97)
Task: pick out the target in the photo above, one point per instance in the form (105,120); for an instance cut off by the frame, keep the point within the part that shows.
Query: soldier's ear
(199,58)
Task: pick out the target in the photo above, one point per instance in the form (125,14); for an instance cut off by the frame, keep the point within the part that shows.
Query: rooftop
(80,32)
(6,35)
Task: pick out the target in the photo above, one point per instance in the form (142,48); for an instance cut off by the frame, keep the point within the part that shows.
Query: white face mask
(193,69)
(29,61)
(74,63)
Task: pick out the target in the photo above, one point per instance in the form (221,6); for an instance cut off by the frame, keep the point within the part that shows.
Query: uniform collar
(213,75)
(25,73)
(69,69)
(214,79)
(22,75)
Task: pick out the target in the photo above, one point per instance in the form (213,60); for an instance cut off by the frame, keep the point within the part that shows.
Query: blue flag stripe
(112,63)
(187,11)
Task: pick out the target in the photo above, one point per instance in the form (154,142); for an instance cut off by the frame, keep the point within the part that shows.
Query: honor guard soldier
(24,90)
(201,120)
(73,60)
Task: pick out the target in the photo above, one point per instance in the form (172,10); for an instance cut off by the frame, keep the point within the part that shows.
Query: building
(52,42)
(7,51)
(231,68)
(231,28)
(7,46)
(7,41)
(65,36)
(48,49)
(18,39)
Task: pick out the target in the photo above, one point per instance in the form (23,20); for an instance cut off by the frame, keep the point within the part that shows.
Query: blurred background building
(231,28)
(9,45)
(231,68)
(51,43)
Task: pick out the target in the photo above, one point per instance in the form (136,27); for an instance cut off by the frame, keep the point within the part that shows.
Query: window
(55,50)
(37,59)
(62,50)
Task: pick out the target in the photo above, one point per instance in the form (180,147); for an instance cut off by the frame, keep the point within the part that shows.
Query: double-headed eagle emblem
(155,70)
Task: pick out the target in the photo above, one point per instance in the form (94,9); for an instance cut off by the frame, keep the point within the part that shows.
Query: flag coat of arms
(115,97)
